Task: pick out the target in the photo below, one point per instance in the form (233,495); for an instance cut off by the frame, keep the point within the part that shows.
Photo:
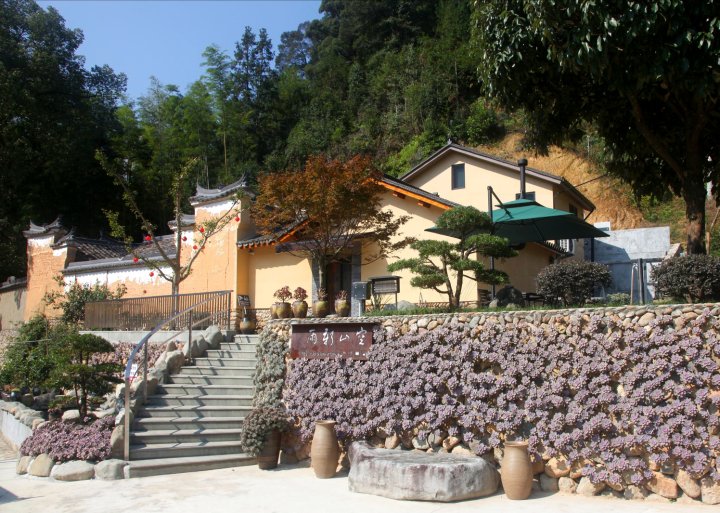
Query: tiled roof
(265,240)
(145,250)
(397,182)
(13,283)
(186,220)
(92,249)
(202,194)
(43,229)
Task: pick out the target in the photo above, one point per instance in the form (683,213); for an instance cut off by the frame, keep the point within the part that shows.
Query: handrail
(143,345)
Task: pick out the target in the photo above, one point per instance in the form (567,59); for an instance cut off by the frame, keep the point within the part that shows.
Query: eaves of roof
(401,187)
(584,202)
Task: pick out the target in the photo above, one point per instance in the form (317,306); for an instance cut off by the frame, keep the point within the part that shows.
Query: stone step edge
(200,396)
(186,432)
(170,446)
(187,464)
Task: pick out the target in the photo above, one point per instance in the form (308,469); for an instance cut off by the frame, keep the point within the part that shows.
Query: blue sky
(166,38)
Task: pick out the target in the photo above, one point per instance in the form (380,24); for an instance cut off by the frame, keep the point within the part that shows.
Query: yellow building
(241,260)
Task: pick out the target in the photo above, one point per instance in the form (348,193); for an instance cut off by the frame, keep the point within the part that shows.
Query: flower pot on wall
(268,457)
(247,326)
(516,472)
(321,309)
(324,451)
(284,310)
(342,307)
(299,309)
(273,311)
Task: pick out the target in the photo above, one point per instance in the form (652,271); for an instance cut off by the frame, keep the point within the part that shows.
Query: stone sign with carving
(349,339)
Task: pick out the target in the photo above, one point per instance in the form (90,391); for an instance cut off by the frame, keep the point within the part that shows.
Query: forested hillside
(391,79)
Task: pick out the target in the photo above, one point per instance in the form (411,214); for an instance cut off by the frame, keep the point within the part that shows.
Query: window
(567,245)
(528,195)
(458,176)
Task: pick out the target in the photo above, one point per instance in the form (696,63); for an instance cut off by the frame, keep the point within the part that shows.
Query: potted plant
(321,307)
(261,434)
(300,306)
(283,308)
(247,325)
(342,304)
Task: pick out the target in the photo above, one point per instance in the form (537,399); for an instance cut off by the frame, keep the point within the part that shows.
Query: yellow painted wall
(12,308)
(44,264)
(268,271)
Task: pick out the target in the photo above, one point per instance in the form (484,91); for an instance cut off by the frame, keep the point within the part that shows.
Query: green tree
(54,114)
(444,266)
(645,74)
(73,298)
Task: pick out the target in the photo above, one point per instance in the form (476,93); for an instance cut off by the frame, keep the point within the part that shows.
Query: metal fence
(146,312)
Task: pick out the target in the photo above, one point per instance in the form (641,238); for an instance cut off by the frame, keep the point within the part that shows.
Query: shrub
(692,278)
(618,299)
(73,298)
(66,441)
(283,294)
(482,124)
(269,375)
(572,282)
(594,391)
(259,423)
(300,294)
(29,358)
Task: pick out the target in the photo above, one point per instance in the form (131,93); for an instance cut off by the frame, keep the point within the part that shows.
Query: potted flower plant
(342,304)
(283,308)
(300,306)
(261,434)
(321,307)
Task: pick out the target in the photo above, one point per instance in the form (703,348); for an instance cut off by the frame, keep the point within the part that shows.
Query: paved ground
(247,489)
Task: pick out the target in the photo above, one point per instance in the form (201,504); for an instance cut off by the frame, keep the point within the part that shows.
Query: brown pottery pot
(273,311)
(324,451)
(247,326)
(342,307)
(284,310)
(268,457)
(516,471)
(299,309)
(321,309)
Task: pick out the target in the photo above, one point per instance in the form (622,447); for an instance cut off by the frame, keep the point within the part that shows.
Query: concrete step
(169,436)
(204,389)
(239,411)
(237,346)
(186,423)
(207,370)
(183,449)
(246,339)
(227,362)
(144,468)
(244,354)
(182,379)
(199,400)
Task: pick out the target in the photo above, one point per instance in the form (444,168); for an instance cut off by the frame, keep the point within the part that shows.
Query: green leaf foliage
(572,282)
(692,278)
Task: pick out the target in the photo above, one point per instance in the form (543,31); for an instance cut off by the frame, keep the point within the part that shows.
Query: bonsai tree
(76,367)
(332,205)
(259,424)
(444,266)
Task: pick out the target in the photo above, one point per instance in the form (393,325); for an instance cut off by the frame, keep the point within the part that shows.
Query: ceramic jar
(516,471)
(299,309)
(324,451)
(268,457)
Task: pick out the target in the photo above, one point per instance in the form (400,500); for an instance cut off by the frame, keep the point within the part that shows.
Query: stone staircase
(194,422)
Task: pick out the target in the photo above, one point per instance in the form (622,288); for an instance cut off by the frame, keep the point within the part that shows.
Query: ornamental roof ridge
(35,230)
(203,195)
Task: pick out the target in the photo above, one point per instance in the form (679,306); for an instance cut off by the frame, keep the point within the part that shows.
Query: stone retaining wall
(552,471)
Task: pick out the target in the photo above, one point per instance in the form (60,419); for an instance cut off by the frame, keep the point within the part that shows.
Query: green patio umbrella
(525,220)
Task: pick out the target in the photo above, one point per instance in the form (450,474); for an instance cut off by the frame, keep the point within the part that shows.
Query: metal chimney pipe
(522,163)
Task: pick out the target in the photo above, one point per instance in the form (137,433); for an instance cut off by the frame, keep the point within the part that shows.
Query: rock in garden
(110,470)
(635,492)
(405,305)
(117,440)
(549,484)
(556,468)
(214,337)
(392,441)
(420,443)
(538,466)
(588,488)
(23,464)
(663,485)
(654,497)
(36,423)
(567,485)
(688,485)
(709,490)
(41,466)
(71,415)
(461,450)
(174,361)
(73,471)
(419,476)
(450,442)
(171,346)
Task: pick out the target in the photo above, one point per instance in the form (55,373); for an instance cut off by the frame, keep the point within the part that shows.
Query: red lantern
(184,238)
(195,246)
(237,218)
(202,229)
(144,291)
(136,260)
(148,238)
(152,274)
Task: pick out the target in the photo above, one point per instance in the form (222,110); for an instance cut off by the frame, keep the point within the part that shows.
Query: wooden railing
(146,312)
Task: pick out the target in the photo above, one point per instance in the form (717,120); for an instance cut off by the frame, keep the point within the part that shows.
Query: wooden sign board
(348,339)
(243,300)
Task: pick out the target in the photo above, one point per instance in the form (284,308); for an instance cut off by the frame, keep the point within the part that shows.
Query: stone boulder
(73,471)
(174,361)
(588,488)
(23,464)
(71,416)
(41,466)
(509,294)
(214,337)
(110,470)
(710,490)
(117,441)
(418,475)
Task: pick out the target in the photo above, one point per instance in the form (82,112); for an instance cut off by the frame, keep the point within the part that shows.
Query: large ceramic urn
(516,471)
(268,457)
(324,451)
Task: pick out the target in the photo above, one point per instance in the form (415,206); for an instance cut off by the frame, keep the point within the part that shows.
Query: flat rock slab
(419,476)
(73,471)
